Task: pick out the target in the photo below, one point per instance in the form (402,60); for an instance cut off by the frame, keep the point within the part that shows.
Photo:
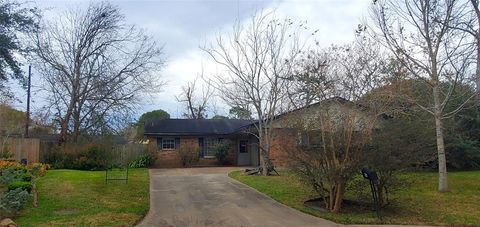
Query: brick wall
(170,158)
(284,141)
(232,153)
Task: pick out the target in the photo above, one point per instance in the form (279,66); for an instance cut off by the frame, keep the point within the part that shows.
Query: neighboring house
(167,136)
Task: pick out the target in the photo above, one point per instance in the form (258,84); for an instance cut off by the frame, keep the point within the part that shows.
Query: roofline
(190,134)
(334,98)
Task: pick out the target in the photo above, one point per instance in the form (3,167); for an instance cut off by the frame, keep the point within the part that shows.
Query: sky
(183,26)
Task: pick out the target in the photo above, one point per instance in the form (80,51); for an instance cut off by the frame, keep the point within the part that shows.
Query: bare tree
(421,36)
(196,104)
(257,58)
(95,67)
(469,22)
(334,135)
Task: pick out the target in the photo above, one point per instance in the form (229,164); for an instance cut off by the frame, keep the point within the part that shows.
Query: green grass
(81,198)
(419,203)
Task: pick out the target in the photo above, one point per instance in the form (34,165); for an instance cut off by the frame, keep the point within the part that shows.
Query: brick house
(166,137)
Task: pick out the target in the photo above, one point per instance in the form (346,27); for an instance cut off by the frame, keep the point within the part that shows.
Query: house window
(243,146)
(310,138)
(209,146)
(168,144)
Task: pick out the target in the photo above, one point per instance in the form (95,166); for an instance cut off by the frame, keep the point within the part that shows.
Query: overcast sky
(183,26)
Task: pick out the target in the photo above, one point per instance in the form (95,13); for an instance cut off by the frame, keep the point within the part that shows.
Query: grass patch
(420,203)
(81,198)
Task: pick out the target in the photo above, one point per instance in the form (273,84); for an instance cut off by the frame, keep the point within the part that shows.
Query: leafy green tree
(219,117)
(12,121)
(238,112)
(152,115)
(15,21)
(409,129)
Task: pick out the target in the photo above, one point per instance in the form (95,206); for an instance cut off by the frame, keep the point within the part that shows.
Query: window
(310,138)
(168,144)
(243,146)
(209,146)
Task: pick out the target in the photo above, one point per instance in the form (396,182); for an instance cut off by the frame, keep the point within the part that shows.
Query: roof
(336,99)
(194,126)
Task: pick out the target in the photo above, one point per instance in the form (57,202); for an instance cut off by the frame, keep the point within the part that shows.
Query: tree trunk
(339,192)
(76,126)
(63,132)
(382,195)
(264,165)
(477,70)
(442,161)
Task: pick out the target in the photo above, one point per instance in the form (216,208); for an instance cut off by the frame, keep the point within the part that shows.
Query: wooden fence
(22,148)
(118,154)
(35,150)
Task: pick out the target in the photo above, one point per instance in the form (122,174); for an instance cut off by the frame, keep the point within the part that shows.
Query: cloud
(185,25)
(336,21)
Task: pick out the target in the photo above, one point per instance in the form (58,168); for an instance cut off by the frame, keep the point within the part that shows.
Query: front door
(243,153)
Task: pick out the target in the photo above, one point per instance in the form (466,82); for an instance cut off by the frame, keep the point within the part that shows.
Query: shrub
(359,187)
(76,156)
(95,158)
(20,184)
(9,163)
(38,169)
(221,151)
(27,177)
(464,154)
(5,153)
(11,174)
(189,155)
(13,201)
(143,161)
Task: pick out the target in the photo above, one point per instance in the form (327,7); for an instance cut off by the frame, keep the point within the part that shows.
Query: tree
(148,116)
(470,24)
(95,67)
(15,22)
(421,36)
(334,139)
(196,105)
(11,122)
(219,117)
(238,112)
(257,58)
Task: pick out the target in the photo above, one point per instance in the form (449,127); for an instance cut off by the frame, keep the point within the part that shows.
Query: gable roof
(334,99)
(194,126)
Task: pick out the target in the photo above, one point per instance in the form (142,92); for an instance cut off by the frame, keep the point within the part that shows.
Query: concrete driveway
(208,197)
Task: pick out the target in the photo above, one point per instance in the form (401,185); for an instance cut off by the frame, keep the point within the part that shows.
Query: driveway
(208,197)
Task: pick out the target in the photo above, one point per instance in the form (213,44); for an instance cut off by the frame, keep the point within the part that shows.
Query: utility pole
(27,120)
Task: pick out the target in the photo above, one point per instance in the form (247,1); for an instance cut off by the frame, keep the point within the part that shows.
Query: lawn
(419,203)
(81,198)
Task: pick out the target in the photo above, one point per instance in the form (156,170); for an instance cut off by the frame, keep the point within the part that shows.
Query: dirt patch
(319,204)
(67,187)
(66,211)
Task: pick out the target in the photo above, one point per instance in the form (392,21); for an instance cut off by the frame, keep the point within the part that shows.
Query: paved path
(208,197)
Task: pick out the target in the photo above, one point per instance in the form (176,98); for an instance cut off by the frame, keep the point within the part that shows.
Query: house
(167,137)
